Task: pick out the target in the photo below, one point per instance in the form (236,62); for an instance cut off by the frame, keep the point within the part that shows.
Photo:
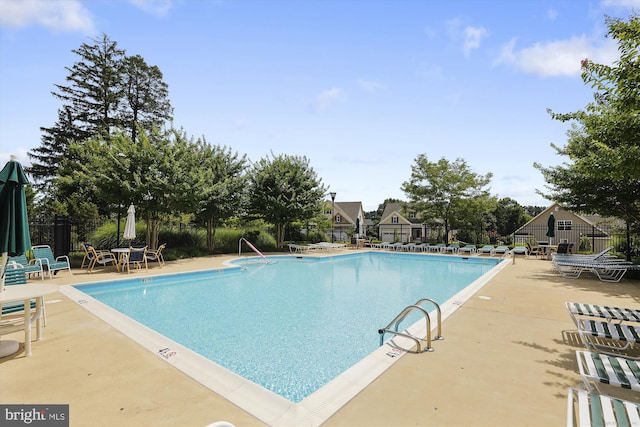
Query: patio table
(25,293)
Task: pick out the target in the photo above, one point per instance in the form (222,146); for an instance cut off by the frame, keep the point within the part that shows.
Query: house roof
(397,209)
(592,220)
(348,210)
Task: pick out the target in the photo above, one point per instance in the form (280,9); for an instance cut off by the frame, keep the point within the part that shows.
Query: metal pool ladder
(403,314)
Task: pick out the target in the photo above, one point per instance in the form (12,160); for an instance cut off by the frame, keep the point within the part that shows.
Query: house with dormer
(347,220)
(588,233)
(400,224)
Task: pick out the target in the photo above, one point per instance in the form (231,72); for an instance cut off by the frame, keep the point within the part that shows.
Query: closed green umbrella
(14,223)
(551,227)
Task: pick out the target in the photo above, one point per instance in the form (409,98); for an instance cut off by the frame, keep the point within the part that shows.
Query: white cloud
(327,97)
(156,7)
(472,38)
(58,15)
(368,85)
(628,4)
(552,14)
(559,57)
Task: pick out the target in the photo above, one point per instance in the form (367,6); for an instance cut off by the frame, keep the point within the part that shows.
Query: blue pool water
(296,323)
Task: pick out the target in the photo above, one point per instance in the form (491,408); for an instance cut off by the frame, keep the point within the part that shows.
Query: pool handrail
(403,314)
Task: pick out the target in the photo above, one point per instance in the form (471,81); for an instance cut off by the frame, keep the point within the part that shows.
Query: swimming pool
(293,325)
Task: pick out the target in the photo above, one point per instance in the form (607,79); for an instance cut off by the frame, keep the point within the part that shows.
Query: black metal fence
(585,238)
(59,232)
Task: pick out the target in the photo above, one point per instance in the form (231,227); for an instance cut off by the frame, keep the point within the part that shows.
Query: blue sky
(359,87)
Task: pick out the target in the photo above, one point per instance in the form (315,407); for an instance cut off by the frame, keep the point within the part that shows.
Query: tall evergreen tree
(146,96)
(90,103)
(105,91)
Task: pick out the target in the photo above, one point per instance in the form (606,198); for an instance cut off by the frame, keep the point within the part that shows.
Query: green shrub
(182,243)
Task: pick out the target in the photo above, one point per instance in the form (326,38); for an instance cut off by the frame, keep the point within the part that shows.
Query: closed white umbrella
(130,227)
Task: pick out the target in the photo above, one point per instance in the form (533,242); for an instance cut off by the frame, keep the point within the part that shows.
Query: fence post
(61,235)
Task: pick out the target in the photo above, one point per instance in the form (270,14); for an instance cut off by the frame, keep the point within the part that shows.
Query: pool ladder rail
(403,314)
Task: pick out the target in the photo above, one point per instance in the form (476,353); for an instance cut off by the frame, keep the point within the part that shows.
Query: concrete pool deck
(507,360)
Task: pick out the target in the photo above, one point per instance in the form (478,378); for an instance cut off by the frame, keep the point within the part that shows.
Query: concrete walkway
(507,360)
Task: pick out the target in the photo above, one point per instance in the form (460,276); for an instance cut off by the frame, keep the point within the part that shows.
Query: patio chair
(137,257)
(535,250)
(30,267)
(565,248)
(100,257)
(49,262)
(602,335)
(585,408)
(156,255)
(617,371)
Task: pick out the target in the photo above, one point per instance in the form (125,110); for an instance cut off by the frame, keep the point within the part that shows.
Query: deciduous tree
(285,189)
(448,194)
(603,147)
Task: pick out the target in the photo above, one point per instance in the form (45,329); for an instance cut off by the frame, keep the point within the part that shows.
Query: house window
(338,218)
(564,224)
(412,215)
(394,220)
(328,212)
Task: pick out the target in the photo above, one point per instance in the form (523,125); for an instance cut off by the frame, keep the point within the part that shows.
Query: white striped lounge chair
(617,371)
(587,408)
(604,311)
(624,334)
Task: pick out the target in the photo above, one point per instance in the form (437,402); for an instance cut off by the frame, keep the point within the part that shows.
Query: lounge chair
(585,408)
(137,257)
(468,249)
(607,270)
(380,245)
(604,312)
(624,335)
(519,250)
(617,371)
(485,250)
(438,247)
(33,266)
(452,248)
(602,255)
(500,250)
(49,262)
(395,246)
(100,257)
(422,247)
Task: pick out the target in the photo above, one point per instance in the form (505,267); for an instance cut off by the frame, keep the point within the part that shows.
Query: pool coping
(256,400)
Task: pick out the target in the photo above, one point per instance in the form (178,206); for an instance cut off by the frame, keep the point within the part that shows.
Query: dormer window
(338,218)
(394,219)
